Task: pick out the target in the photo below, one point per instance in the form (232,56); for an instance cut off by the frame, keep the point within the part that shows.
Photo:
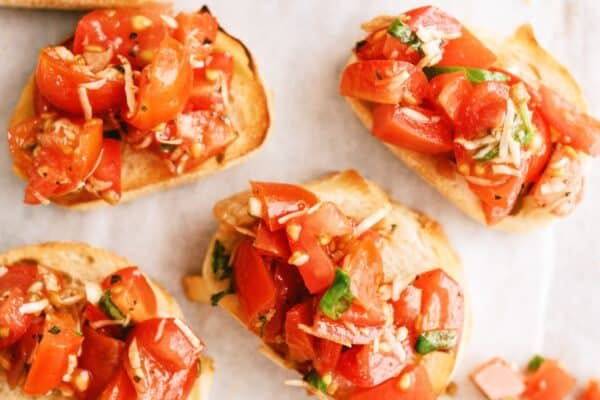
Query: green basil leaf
(338,298)
(474,75)
(109,308)
(489,155)
(220,262)
(535,363)
(404,33)
(526,135)
(315,380)
(436,340)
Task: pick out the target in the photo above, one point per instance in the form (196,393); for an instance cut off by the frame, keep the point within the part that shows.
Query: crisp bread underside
(418,244)
(88,263)
(522,55)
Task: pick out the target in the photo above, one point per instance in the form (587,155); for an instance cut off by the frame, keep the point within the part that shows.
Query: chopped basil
(436,340)
(359,44)
(314,379)
(525,136)
(216,298)
(404,33)
(109,308)
(220,262)
(338,298)
(55,330)
(489,155)
(474,75)
(535,363)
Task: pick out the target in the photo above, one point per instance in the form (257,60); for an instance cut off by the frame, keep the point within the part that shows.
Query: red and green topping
(140,75)
(437,89)
(60,336)
(310,281)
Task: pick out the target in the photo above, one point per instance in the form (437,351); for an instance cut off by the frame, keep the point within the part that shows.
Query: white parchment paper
(530,293)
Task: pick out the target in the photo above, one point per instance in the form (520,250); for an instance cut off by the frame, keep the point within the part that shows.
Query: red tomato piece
(419,387)
(119,388)
(364,367)
(382,45)
(408,307)
(101,355)
(197,31)
(11,318)
(135,33)
(40,104)
(364,317)
(592,391)
(254,283)
(301,345)
(164,87)
(206,93)
(58,80)
(355,327)
(467,51)
(364,266)
(384,81)
(557,383)
(109,169)
(51,358)
(92,313)
(575,128)
(327,357)
(413,128)
(450,91)
(20,275)
(21,352)
(131,293)
(273,244)
(442,301)
(325,222)
(484,109)
(431,17)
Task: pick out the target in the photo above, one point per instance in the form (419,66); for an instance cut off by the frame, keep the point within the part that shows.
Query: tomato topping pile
(56,339)
(138,75)
(310,282)
(434,88)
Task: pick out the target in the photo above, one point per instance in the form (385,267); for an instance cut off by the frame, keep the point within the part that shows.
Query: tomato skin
(109,168)
(433,17)
(21,352)
(92,313)
(575,128)
(467,51)
(327,356)
(442,301)
(101,355)
(131,293)
(395,124)
(279,199)
(365,268)
(197,31)
(206,93)
(301,345)
(484,109)
(20,275)
(384,81)
(364,330)
(119,388)
(273,244)
(450,91)
(381,45)
(57,81)
(539,159)
(391,389)
(12,318)
(408,307)
(592,391)
(51,359)
(326,220)
(365,368)
(557,382)
(254,283)
(164,87)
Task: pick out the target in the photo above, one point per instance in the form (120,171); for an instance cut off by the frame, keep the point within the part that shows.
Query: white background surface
(531,293)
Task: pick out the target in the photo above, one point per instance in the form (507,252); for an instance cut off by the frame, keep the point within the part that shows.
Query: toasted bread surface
(416,244)
(521,54)
(144,171)
(88,263)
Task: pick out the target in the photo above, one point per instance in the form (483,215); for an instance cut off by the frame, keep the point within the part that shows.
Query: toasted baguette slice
(417,244)
(75,4)
(522,55)
(144,172)
(88,263)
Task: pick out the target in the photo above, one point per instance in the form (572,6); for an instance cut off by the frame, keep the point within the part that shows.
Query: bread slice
(75,4)
(144,171)
(417,244)
(88,263)
(522,55)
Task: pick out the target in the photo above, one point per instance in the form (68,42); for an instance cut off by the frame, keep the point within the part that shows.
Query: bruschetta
(360,295)
(499,127)
(138,100)
(80,322)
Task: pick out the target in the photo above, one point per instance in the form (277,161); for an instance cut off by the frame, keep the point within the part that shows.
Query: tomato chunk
(484,109)
(326,221)
(557,383)
(327,357)
(197,31)
(12,321)
(274,244)
(131,293)
(22,351)
(364,367)
(419,387)
(365,268)
(592,391)
(384,81)
(408,307)
(450,91)
(109,170)
(381,45)
(119,388)
(413,128)
(20,275)
(208,80)
(301,345)
(467,51)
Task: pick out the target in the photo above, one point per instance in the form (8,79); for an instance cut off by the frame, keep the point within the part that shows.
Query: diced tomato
(301,345)
(326,221)
(327,357)
(119,388)
(497,379)
(442,301)
(206,93)
(101,355)
(364,317)
(419,387)
(170,77)
(92,313)
(131,293)
(484,108)
(22,351)
(254,283)
(408,307)
(575,128)
(592,391)
(549,382)
(109,169)
(135,33)
(382,45)
(40,104)
(279,199)
(433,18)
(11,318)
(364,266)
(467,51)
(355,327)
(413,128)
(364,367)
(51,358)
(197,31)
(384,81)
(20,275)
(541,148)
(450,91)
(273,244)
(58,80)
